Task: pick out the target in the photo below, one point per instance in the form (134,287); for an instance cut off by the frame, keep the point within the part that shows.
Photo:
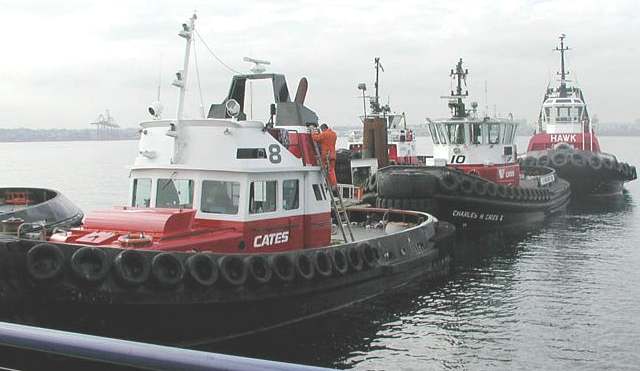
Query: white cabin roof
(214,144)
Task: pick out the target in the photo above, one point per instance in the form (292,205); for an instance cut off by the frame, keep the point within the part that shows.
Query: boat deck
(360,233)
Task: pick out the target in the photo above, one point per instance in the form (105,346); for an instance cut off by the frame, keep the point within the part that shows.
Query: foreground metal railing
(130,353)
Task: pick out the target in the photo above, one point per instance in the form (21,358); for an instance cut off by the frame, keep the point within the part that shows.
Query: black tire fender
(608,164)
(304,266)
(509,193)
(132,267)
(595,162)
(339,260)
(90,264)
(202,269)
(559,159)
(578,159)
(467,185)
(259,269)
(480,188)
(233,270)
(492,189)
(501,191)
(167,269)
(449,183)
(45,261)
(354,258)
(283,267)
(322,263)
(370,255)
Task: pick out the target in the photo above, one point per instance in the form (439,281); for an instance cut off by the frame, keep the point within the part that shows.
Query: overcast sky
(64,62)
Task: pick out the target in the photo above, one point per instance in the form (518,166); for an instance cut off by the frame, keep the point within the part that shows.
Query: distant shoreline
(23,135)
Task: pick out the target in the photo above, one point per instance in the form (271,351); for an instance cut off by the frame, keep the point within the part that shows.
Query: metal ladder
(342,217)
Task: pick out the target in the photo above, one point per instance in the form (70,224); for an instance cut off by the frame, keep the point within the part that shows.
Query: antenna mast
(563,72)
(460,75)
(375,104)
(181,76)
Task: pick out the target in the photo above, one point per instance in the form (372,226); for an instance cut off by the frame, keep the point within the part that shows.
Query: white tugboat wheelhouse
(481,146)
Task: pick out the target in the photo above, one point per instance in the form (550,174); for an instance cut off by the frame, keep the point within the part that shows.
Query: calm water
(564,295)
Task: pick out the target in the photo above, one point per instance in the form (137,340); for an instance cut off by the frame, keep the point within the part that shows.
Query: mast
(460,75)
(180,82)
(563,72)
(377,61)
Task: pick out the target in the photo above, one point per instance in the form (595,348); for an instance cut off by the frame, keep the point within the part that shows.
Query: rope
(215,56)
(195,57)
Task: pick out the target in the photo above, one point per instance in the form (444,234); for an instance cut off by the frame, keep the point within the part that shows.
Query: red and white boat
(567,142)
(473,178)
(228,231)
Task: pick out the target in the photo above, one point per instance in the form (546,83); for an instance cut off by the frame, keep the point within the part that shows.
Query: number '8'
(274,154)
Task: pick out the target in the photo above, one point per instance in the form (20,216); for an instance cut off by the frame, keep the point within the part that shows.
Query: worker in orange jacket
(326,138)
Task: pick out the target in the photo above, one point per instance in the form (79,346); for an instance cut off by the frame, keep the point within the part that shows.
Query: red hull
(582,141)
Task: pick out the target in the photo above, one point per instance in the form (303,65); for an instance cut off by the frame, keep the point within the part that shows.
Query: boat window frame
(147,203)
(252,209)
(455,130)
(234,197)
(434,135)
(474,128)
(296,204)
(163,187)
(442,133)
(489,132)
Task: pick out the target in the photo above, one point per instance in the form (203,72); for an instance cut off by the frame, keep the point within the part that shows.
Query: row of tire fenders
(455,182)
(132,268)
(594,161)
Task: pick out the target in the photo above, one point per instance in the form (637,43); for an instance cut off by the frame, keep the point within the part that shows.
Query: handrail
(130,353)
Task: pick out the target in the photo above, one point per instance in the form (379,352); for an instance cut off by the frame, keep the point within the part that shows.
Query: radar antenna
(259,65)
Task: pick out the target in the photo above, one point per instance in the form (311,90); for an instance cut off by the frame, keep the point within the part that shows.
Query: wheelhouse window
(262,196)
(510,133)
(547,112)
(174,193)
(141,192)
(318,192)
(475,133)
(434,135)
(441,133)
(220,197)
(456,133)
(290,194)
(494,133)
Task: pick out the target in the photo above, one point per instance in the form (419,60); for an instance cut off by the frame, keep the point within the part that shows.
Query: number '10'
(458,159)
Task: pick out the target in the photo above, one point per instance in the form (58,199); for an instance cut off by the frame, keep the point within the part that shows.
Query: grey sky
(63,63)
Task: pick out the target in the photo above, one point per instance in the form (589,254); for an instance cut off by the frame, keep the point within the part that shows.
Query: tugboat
(228,232)
(473,179)
(33,210)
(382,128)
(566,141)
